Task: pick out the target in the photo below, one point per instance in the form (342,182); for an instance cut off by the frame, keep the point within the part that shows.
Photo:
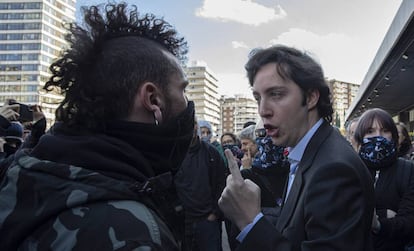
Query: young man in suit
(329,197)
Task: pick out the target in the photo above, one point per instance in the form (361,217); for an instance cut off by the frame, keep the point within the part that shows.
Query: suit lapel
(290,204)
(306,162)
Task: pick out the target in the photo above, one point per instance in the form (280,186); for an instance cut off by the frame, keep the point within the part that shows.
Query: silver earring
(156,121)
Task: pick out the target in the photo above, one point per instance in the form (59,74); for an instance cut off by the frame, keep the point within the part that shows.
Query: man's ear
(312,98)
(150,95)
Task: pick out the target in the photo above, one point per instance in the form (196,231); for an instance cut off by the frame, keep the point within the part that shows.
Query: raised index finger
(233,167)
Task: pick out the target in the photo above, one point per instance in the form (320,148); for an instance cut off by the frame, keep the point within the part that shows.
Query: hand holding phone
(25,111)
(10,112)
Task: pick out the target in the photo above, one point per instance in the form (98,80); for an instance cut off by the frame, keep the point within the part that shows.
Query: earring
(156,121)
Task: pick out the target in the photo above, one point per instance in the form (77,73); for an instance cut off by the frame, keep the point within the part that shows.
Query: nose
(264,111)
(381,133)
(378,132)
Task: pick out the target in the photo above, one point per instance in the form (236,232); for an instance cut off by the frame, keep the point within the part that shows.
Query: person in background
(377,140)
(405,148)
(329,199)
(206,131)
(102,177)
(12,137)
(350,132)
(229,138)
(230,141)
(11,131)
(248,146)
(249,123)
(206,135)
(199,183)
(270,167)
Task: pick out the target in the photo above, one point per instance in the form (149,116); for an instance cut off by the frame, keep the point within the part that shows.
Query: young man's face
(281,107)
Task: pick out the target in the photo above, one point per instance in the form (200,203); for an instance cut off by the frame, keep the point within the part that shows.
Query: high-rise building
(31,37)
(343,94)
(236,111)
(203,90)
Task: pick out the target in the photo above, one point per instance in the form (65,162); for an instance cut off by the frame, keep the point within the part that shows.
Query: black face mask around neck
(165,145)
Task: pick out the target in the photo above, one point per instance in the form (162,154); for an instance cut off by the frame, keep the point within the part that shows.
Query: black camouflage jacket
(49,204)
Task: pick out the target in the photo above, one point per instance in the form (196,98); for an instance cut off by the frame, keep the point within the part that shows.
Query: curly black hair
(108,59)
(297,66)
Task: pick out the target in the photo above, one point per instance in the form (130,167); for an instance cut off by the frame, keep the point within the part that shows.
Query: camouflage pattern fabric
(51,206)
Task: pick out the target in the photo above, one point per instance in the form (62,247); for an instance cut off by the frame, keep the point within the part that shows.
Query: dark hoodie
(84,191)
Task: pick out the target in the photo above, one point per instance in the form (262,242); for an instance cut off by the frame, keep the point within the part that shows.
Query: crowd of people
(128,166)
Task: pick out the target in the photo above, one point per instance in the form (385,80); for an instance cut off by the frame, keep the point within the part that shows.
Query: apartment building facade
(31,38)
(203,90)
(343,94)
(236,111)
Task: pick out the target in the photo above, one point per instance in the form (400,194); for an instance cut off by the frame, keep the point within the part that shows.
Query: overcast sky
(343,35)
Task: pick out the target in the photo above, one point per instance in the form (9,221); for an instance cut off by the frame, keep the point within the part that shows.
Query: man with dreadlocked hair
(101,179)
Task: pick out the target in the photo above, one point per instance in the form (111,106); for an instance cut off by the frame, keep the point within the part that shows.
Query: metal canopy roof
(389,83)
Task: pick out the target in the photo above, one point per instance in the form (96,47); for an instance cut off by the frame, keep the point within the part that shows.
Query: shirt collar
(296,152)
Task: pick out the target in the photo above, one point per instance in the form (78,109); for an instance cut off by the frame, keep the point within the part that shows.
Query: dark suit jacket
(330,205)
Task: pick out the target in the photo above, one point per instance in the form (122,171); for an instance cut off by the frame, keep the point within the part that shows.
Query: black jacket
(83,191)
(201,180)
(330,205)
(272,183)
(393,192)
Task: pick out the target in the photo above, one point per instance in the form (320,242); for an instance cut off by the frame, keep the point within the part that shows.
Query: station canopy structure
(389,82)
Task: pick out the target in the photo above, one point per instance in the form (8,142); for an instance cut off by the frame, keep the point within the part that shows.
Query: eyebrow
(270,89)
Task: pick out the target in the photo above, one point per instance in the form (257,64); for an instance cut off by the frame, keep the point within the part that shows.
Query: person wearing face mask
(229,138)
(12,137)
(11,132)
(270,167)
(230,141)
(102,177)
(206,135)
(377,143)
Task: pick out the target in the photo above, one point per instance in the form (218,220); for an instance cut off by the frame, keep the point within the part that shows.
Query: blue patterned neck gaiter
(269,155)
(378,152)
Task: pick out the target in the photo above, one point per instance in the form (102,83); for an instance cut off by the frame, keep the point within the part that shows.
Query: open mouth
(271,131)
